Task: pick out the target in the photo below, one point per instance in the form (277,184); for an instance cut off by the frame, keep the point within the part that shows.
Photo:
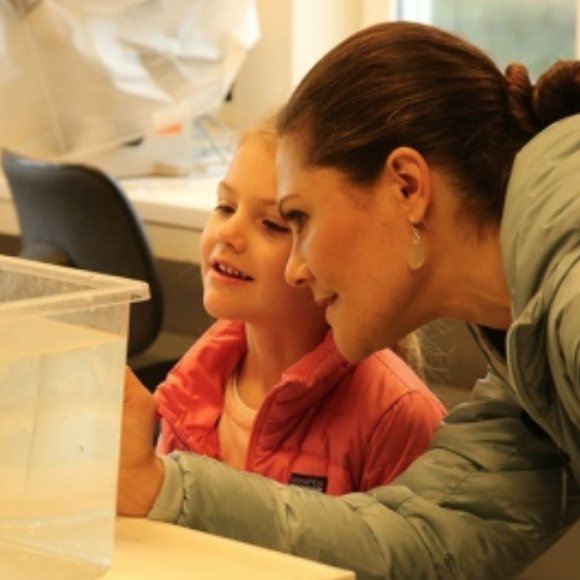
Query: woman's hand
(140,470)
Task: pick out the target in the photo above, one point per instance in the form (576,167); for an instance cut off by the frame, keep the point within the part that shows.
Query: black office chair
(76,215)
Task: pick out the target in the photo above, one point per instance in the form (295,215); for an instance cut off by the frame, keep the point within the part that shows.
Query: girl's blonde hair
(409,348)
(264,128)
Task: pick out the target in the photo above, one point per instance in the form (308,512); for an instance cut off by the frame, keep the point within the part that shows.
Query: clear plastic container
(63,341)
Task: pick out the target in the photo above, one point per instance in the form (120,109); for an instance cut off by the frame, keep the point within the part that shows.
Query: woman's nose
(297,273)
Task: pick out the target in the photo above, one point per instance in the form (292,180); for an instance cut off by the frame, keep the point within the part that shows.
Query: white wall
(295,34)
(265,77)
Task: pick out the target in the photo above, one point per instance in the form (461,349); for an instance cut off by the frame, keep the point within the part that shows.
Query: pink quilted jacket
(329,424)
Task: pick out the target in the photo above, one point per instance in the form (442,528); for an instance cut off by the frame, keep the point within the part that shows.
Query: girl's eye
(276,227)
(223,208)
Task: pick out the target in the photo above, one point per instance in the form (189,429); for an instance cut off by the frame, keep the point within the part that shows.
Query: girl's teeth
(231,272)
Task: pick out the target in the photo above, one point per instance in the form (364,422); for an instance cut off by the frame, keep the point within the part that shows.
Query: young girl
(265,388)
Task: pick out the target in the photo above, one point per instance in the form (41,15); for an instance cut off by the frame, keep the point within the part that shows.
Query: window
(533,32)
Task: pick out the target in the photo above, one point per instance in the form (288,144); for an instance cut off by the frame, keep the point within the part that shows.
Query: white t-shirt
(235,426)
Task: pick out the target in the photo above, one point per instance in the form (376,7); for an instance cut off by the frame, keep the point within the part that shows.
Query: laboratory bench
(148,550)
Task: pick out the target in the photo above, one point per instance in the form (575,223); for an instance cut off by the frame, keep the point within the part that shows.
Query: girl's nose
(231,233)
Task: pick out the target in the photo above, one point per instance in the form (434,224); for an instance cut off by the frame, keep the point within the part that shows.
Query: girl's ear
(408,169)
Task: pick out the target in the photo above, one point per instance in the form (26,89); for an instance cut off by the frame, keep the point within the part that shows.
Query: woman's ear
(408,169)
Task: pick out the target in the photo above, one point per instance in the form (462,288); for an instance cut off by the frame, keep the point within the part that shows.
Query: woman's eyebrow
(284,201)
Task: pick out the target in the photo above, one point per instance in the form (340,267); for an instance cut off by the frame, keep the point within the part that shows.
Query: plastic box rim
(95,289)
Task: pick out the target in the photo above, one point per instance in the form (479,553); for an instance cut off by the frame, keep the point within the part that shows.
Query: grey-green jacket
(494,491)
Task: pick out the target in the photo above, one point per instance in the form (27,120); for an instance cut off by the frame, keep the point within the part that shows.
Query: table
(147,550)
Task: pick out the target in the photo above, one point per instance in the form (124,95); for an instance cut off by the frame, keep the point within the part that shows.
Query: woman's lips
(325,302)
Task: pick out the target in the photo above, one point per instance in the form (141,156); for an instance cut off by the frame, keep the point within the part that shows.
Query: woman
(394,163)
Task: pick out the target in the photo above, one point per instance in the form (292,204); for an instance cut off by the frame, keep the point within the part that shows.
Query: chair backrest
(76,215)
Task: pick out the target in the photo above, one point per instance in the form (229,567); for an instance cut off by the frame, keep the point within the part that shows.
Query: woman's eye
(296,218)
(276,226)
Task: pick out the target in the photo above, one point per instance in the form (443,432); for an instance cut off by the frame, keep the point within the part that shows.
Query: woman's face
(350,244)
(245,247)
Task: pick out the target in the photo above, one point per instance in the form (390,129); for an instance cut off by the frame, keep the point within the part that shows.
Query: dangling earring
(416,257)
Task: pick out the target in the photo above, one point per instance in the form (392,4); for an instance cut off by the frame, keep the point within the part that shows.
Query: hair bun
(520,92)
(557,92)
(555,95)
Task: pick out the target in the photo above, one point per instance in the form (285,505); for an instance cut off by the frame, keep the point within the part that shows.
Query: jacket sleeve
(404,433)
(564,355)
(485,500)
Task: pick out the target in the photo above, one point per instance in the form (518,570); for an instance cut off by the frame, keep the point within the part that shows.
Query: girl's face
(351,245)
(245,247)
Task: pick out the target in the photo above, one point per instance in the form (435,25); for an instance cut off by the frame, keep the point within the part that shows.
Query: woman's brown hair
(408,84)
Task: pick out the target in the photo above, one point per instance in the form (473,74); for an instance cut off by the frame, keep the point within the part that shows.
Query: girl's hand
(140,470)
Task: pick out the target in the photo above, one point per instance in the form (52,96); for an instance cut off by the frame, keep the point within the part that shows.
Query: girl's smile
(229,272)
